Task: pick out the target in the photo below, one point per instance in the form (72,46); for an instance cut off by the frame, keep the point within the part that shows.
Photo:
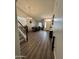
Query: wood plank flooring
(37,47)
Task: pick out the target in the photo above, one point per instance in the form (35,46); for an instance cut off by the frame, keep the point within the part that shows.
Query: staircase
(22,32)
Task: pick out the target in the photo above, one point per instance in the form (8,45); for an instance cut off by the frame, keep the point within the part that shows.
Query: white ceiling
(35,8)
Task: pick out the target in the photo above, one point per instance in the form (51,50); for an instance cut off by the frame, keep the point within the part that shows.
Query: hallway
(38,17)
(37,47)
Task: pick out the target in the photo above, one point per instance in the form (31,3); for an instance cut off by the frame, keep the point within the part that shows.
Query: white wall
(30,25)
(58,33)
(58,24)
(58,44)
(58,8)
(58,28)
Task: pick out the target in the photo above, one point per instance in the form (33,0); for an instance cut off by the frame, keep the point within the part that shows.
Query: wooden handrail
(21,25)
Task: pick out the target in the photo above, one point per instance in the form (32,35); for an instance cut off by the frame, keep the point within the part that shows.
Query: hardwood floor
(37,47)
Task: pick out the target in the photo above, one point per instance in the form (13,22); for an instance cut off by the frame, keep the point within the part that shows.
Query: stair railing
(21,30)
